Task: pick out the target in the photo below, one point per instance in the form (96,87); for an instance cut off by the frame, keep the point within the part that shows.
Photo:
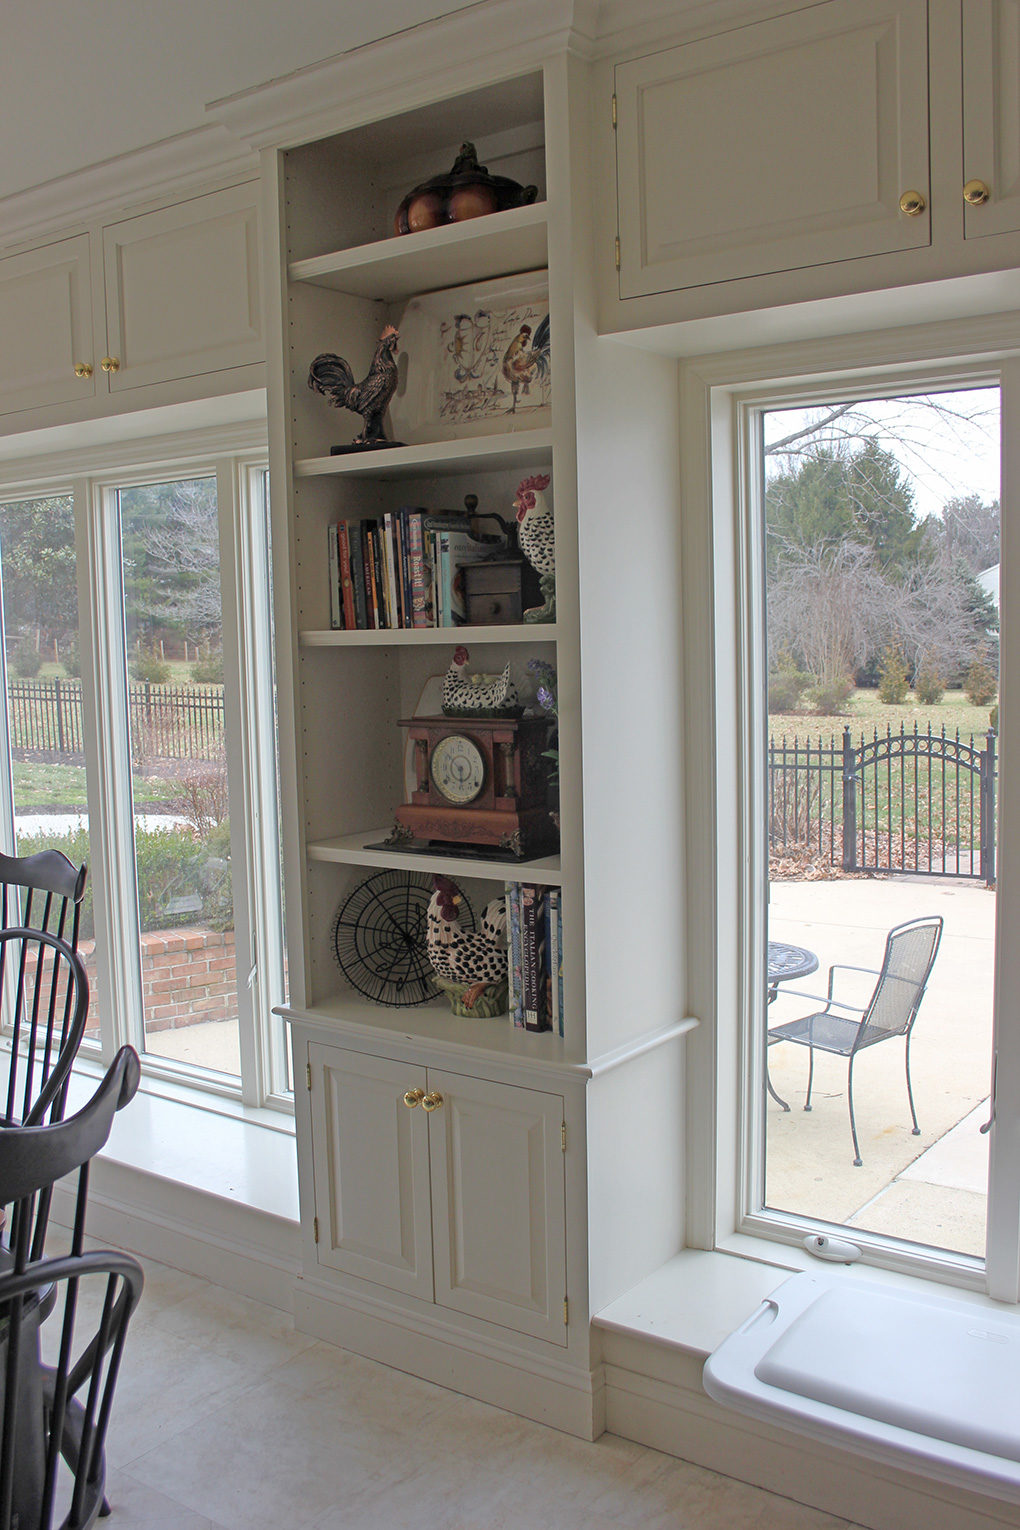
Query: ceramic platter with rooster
(474,361)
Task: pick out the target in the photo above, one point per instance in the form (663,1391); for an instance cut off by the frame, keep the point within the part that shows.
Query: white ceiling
(83,81)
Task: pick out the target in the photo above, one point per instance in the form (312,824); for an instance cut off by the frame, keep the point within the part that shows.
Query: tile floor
(226,1419)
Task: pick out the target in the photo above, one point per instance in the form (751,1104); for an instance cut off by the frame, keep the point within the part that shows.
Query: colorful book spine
(514,962)
(357,550)
(347,599)
(420,574)
(533,957)
(404,565)
(333,549)
(389,541)
(554,945)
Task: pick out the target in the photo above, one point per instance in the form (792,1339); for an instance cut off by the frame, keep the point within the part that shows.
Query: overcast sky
(945,455)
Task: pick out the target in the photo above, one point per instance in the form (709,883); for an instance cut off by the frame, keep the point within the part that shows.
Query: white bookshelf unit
(466,1184)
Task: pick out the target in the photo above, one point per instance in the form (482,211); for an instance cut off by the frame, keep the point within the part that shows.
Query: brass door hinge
(618,252)
(565,1317)
(308,1074)
(614,108)
(563,1136)
(315,1229)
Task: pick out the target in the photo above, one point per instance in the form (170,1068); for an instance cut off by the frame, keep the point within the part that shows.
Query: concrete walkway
(928,1189)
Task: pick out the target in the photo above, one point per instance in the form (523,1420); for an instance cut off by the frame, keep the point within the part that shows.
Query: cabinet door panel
(182,289)
(45,326)
(991,113)
(778,145)
(371,1169)
(498,1212)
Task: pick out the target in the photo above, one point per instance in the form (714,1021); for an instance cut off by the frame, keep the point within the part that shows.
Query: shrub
(148,666)
(993,718)
(892,682)
(70,658)
(929,687)
(829,697)
(787,685)
(980,684)
(26,660)
(208,670)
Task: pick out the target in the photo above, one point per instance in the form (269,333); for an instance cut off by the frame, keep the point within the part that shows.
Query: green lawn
(40,787)
(864,713)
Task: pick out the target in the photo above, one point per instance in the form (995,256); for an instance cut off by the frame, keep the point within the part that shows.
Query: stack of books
(535,942)
(401,569)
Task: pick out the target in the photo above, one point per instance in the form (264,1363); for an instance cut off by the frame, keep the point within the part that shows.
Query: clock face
(458,769)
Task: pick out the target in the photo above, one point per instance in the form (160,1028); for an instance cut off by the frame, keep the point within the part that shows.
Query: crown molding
(634,26)
(459,51)
(161,172)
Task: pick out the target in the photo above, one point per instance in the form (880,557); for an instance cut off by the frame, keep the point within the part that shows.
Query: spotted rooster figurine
(470,966)
(493,695)
(537,537)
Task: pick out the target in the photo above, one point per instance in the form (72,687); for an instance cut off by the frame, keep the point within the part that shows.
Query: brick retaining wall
(188,978)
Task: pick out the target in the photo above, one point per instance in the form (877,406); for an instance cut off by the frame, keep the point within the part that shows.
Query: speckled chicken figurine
(470,965)
(536,535)
(479,695)
(331,376)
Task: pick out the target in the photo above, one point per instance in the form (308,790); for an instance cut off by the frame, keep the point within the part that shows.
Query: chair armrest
(826,999)
(846,967)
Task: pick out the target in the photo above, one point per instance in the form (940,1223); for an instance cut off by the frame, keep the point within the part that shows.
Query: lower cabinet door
(371,1169)
(498,1214)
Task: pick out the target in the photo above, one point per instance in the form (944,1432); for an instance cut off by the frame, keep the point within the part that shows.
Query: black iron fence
(917,802)
(167,722)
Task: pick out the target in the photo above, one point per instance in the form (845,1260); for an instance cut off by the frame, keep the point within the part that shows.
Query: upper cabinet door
(182,289)
(498,1208)
(775,146)
(46,326)
(991,114)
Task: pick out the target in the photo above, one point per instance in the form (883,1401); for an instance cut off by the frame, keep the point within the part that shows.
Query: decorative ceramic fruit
(465,191)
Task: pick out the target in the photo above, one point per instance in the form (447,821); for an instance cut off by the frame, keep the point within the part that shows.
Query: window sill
(699,1297)
(203,1142)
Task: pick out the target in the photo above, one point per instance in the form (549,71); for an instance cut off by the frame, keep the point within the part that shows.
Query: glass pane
(881,554)
(44,692)
(174,633)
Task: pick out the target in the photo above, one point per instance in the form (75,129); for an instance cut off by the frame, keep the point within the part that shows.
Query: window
(758,1171)
(162,720)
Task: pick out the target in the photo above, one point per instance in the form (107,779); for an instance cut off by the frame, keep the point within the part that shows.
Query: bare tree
(830,606)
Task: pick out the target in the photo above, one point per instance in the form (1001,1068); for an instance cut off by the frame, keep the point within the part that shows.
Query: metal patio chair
(910,951)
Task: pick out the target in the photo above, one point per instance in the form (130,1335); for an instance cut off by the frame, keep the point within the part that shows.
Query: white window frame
(237,458)
(721,401)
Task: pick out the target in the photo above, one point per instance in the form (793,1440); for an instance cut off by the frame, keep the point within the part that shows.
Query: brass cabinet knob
(83,369)
(110,363)
(913,203)
(413,1097)
(976,192)
(432,1101)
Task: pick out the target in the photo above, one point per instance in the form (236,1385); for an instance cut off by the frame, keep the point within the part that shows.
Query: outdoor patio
(931,1188)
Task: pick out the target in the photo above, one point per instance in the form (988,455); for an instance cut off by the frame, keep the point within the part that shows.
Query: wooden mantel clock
(480,781)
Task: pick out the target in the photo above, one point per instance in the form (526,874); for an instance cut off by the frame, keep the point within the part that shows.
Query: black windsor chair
(57,1394)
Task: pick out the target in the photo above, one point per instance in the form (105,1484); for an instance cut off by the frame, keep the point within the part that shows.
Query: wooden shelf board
(435,1024)
(439,458)
(414,637)
(355,850)
(501,244)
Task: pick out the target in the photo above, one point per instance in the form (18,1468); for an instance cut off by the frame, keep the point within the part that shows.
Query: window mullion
(108,772)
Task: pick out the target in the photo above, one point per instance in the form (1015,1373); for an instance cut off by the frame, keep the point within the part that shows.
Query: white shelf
(414,637)
(521,448)
(356,850)
(436,1024)
(500,244)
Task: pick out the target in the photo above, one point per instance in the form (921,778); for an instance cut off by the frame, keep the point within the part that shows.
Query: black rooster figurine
(332,377)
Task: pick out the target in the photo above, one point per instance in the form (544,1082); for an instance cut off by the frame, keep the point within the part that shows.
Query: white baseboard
(674,1415)
(550,1392)
(230,1244)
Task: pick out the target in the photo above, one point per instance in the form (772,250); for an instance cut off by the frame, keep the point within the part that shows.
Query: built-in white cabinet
(155,298)
(844,147)
(782,144)
(46,337)
(442,1186)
